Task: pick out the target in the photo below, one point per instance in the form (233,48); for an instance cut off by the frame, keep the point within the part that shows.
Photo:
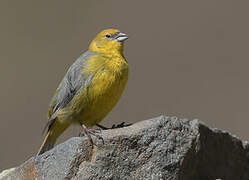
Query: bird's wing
(73,81)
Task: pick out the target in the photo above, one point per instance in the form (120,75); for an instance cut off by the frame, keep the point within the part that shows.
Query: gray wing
(73,81)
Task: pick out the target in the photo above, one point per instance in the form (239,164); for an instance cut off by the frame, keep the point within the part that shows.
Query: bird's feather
(72,82)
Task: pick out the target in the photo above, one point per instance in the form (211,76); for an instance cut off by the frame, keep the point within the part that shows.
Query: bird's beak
(121,37)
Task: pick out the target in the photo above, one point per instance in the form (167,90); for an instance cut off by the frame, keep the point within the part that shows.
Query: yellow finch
(90,89)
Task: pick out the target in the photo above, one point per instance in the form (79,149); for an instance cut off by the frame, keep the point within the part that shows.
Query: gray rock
(160,148)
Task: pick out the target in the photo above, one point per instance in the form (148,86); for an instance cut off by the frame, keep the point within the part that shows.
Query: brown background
(187,58)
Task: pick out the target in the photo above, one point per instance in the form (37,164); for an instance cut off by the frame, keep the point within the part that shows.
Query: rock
(160,148)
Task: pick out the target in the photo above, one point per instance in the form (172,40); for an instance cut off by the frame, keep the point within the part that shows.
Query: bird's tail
(48,143)
(55,129)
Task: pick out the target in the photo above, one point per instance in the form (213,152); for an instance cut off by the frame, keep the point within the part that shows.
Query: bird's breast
(104,92)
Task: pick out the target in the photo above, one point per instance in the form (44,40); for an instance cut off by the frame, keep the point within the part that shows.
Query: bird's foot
(114,126)
(89,132)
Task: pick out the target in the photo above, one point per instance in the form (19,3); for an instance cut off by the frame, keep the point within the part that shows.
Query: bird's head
(109,40)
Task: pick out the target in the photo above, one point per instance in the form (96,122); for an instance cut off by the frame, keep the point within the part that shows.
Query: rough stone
(160,148)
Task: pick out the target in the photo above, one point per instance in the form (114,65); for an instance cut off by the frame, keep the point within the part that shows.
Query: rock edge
(159,148)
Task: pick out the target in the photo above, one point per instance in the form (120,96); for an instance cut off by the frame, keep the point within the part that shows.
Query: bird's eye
(108,35)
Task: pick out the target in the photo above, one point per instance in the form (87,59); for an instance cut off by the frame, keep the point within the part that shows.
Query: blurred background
(187,58)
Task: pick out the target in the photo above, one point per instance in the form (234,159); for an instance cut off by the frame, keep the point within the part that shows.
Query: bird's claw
(114,126)
(89,132)
(121,125)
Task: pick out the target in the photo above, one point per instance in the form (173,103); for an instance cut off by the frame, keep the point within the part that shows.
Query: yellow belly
(102,95)
(95,102)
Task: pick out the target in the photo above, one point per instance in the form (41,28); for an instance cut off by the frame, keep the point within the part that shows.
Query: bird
(90,88)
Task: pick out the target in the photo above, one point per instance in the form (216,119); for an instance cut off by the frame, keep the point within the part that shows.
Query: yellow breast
(105,90)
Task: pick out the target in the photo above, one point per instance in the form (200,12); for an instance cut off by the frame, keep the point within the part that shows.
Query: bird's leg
(114,126)
(90,132)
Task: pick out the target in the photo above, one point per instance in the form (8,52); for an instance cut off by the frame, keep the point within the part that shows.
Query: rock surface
(159,148)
